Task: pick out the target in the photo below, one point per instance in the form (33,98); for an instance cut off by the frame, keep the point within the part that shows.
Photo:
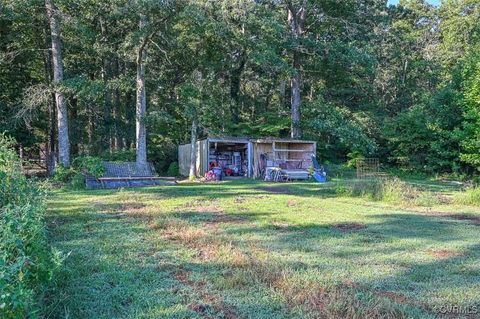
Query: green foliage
(89,165)
(410,125)
(173,169)
(470,134)
(470,196)
(15,189)
(395,82)
(353,158)
(63,174)
(393,191)
(26,261)
(339,170)
(81,166)
(78,181)
(124,155)
(337,130)
(9,162)
(74,176)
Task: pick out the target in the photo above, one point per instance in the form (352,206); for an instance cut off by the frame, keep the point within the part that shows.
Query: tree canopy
(401,82)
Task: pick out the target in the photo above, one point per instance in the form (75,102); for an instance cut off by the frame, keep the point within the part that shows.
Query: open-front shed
(233,153)
(294,157)
(249,157)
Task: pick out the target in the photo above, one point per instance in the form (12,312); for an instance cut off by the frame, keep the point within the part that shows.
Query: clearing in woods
(247,249)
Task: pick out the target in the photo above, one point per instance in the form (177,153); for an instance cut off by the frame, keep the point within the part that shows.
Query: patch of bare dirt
(292,203)
(122,209)
(132,206)
(281,226)
(348,227)
(444,253)
(105,207)
(213,207)
(472,219)
(221,218)
(313,296)
(239,199)
(199,308)
(475,220)
(349,283)
(395,297)
(201,206)
(444,199)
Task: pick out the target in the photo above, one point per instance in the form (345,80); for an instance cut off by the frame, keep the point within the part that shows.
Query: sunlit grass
(252,249)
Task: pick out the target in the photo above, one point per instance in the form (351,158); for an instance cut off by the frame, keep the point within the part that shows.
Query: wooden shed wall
(267,148)
(258,149)
(202,157)
(184,152)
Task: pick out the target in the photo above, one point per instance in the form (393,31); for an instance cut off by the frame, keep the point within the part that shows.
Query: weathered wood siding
(258,149)
(255,148)
(267,147)
(184,158)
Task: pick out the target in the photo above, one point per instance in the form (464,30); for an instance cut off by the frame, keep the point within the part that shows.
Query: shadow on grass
(116,269)
(223,189)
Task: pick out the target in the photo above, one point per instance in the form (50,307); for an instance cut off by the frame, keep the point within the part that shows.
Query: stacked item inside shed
(231,158)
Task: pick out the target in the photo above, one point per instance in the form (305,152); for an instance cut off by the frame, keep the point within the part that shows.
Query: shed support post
(250,160)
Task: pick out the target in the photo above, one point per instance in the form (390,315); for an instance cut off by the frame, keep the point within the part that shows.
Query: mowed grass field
(249,249)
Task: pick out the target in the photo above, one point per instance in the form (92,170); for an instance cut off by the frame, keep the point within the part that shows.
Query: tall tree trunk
(62,116)
(282,101)
(295,82)
(141,101)
(91,130)
(296,20)
(235,82)
(74,148)
(117,141)
(106,73)
(193,148)
(50,154)
(51,158)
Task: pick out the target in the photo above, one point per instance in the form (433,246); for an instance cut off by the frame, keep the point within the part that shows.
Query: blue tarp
(320,177)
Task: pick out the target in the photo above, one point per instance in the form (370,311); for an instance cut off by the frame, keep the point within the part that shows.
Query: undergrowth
(393,191)
(26,261)
(470,196)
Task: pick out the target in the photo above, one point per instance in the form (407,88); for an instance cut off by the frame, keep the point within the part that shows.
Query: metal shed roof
(280,140)
(232,139)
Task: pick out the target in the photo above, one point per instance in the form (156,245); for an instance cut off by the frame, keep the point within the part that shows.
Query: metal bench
(125,174)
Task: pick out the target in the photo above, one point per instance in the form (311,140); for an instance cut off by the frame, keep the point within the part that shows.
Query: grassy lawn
(248,249)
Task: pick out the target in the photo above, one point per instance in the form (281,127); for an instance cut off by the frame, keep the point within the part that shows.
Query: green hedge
(26,261)
(74,176)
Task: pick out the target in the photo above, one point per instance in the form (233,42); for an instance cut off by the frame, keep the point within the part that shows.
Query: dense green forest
(401,83)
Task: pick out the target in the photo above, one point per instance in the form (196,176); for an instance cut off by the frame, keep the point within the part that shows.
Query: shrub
(8,158)
(26,262)
(470,196)
(63,174)
(81,166)
(78,181)
(427,199)
(89,165)
(339,171)
(173,169)
(353,158)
